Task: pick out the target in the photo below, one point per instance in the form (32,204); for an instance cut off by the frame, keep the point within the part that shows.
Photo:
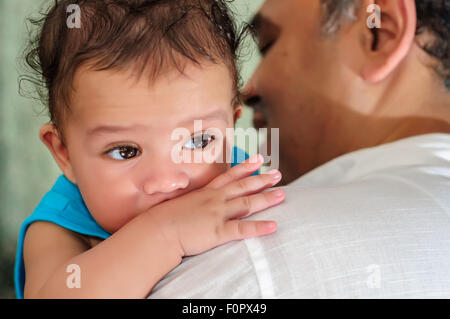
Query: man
(364,119)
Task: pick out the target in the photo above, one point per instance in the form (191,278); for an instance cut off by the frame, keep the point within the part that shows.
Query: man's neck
(416,126)
(414,102)
(382,130)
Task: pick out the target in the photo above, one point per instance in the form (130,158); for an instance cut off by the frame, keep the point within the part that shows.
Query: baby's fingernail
(258,158)
(270,225)
(278,193)
(276,175)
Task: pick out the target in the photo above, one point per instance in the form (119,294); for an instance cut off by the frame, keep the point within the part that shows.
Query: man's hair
(148,36)
(433,16)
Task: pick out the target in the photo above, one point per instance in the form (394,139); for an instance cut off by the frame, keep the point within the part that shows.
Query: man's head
(333,85)
(121,86)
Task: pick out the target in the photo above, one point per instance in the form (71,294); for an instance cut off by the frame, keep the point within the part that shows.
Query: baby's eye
(122,153)
(199,141)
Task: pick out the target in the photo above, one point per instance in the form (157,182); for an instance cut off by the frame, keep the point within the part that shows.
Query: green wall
(27,170)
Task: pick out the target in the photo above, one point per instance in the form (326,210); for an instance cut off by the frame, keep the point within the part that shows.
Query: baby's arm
(130,262)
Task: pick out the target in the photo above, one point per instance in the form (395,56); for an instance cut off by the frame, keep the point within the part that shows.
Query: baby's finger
(242,170)
(252,184)
(248,205)
(242,229)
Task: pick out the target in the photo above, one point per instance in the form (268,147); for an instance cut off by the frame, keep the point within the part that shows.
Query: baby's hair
(151,36)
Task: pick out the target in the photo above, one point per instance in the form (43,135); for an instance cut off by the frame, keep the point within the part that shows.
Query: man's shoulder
(371,230)
(423,151)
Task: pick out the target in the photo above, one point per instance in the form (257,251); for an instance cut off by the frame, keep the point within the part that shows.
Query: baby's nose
(165,183)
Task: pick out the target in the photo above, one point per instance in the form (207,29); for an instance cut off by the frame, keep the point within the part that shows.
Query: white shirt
(374,223)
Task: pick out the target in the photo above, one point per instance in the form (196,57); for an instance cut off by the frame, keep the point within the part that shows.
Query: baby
(125,212)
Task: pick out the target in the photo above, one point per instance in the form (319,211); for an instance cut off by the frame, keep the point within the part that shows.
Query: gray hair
(336,13)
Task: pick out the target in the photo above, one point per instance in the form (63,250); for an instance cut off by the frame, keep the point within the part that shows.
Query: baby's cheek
(218,169)
(111,210)
(113,219)
(202,174)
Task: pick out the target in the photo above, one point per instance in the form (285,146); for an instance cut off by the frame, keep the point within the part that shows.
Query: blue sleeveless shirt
(63,205)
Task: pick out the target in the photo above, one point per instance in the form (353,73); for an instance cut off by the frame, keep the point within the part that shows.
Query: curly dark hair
(432,16)
(149,36)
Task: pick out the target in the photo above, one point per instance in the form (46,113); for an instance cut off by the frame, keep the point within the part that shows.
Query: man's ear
(389,44)
(50,136)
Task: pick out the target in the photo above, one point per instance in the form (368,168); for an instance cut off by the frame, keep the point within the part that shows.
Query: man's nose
(165,181)
(254,100)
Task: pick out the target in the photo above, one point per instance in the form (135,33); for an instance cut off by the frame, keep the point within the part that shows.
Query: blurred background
(27,170)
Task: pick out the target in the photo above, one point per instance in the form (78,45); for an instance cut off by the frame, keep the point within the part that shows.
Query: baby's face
(119,137)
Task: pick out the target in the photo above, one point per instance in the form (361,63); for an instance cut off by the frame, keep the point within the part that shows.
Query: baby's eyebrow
(217,114)
(113,128)
(102,129)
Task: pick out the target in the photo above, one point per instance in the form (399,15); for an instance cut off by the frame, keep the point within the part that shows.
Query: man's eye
(266,47)
(199,141)
(122,153)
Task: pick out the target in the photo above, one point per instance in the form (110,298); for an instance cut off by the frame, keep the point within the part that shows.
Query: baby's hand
(210,216)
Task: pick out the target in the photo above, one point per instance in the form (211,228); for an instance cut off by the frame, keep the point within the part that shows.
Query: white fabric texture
(370,224)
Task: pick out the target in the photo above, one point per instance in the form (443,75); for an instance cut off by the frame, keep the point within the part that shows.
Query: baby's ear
(50,136)
(237,112)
